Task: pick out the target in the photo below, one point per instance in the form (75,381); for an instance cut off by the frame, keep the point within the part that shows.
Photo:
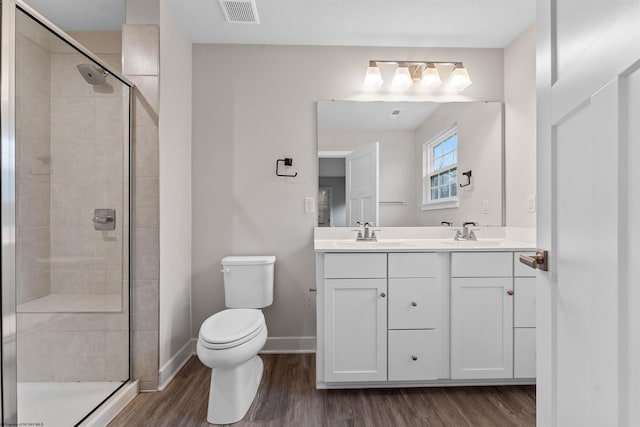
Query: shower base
(60,404)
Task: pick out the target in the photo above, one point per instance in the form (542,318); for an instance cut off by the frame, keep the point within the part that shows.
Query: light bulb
(373,78)
(459,78)
(401,79)
(430,77)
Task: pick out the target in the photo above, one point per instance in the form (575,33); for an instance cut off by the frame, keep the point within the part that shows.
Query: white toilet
(229,341)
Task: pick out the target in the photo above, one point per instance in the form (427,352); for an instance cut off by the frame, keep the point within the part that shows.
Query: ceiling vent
(395,113)
(240,12)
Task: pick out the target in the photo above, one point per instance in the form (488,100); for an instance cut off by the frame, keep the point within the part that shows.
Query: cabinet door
(481,328)
(524,302)
(524,352)
(355,325)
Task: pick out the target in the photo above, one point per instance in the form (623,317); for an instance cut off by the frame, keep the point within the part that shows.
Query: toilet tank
(248,281)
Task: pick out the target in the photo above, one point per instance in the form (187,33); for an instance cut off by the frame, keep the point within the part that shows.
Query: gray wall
(520,127)
(175,194)
(253,105)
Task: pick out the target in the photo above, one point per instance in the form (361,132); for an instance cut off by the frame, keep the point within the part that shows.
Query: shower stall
(65,124)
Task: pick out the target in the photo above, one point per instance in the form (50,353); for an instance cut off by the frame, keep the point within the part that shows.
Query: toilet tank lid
(249,260)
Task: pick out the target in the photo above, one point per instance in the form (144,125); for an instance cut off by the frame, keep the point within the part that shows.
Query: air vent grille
(240,12)
(395,113)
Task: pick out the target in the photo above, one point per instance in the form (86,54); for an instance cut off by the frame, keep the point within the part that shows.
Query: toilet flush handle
(225,270)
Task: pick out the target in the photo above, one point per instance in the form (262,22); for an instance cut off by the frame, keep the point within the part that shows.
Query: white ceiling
(372,116)
(410,23)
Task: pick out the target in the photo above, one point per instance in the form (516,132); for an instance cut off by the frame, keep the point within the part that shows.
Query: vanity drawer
(404,347)
(413,303)
(348,266)
(521,270)
(413,265)
(481,264)
(524,302)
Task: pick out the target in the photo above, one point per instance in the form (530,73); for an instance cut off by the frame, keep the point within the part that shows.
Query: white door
(355,326)
(481,328)
(588,157)
(362,185)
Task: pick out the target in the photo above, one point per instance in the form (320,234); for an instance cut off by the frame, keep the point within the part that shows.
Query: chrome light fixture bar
(422,74)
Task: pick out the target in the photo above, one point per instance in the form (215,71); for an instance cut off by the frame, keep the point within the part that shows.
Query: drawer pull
(383,295)
(510,292)
(414,358)
(414,304)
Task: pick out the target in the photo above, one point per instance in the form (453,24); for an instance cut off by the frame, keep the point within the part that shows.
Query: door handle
(540,260)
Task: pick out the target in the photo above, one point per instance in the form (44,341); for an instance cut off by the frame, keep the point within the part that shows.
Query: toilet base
(232,391)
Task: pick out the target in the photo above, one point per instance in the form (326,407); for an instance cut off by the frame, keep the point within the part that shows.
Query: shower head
(93,74)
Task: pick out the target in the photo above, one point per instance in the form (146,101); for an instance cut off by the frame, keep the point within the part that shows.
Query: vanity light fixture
(422,74)
(401,78)
(430,78)
(373,78)
(459,78)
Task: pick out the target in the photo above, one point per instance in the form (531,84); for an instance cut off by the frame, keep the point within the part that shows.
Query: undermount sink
(474,243)
(363,244)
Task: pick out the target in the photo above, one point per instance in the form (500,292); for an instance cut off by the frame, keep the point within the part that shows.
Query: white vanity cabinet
(481,315)
(414,316)
(392,318)
(355,317)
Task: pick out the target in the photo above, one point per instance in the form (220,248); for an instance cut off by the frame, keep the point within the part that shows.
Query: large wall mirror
(402,164)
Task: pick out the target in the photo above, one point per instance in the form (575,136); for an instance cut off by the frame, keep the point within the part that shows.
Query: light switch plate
(485,206)
(309,205)
(531,203)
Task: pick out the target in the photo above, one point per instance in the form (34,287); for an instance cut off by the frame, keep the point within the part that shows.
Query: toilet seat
(231,328)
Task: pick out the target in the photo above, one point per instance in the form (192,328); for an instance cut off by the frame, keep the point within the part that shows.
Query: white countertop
(432,239)
(431,245)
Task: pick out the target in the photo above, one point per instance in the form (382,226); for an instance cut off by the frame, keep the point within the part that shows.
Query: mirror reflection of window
(441,165)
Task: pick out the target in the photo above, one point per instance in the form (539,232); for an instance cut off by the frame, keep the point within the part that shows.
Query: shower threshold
(60,404)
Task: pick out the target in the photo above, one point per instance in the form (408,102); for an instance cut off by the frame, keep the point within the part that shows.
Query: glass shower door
(71,227)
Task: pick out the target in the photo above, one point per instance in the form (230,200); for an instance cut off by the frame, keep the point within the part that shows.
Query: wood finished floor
(287,397)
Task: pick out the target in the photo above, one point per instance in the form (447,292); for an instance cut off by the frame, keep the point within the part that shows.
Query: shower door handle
(104,219)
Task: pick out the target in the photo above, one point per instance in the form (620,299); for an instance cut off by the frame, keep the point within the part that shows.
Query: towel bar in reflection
(400,203)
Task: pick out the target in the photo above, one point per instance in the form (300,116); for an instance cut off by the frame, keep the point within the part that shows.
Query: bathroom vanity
(417,308)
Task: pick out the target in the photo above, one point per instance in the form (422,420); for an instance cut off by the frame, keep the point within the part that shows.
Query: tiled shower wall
(33,164)
(87,153)
(140,55)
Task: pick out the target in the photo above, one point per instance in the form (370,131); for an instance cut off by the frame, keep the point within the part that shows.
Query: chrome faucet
(369,234)
(467,232)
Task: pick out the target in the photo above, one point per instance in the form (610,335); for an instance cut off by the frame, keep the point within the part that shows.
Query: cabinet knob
(414,358)
(383,295)
(510,292)
(414,304)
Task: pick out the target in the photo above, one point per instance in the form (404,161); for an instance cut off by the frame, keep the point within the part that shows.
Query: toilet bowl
(229,341)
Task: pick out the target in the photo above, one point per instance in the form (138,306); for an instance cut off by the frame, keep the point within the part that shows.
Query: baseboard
(290,345)
(108,410)
(173,366)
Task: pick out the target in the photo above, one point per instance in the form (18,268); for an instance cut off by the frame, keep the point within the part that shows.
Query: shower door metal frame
(8,373)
